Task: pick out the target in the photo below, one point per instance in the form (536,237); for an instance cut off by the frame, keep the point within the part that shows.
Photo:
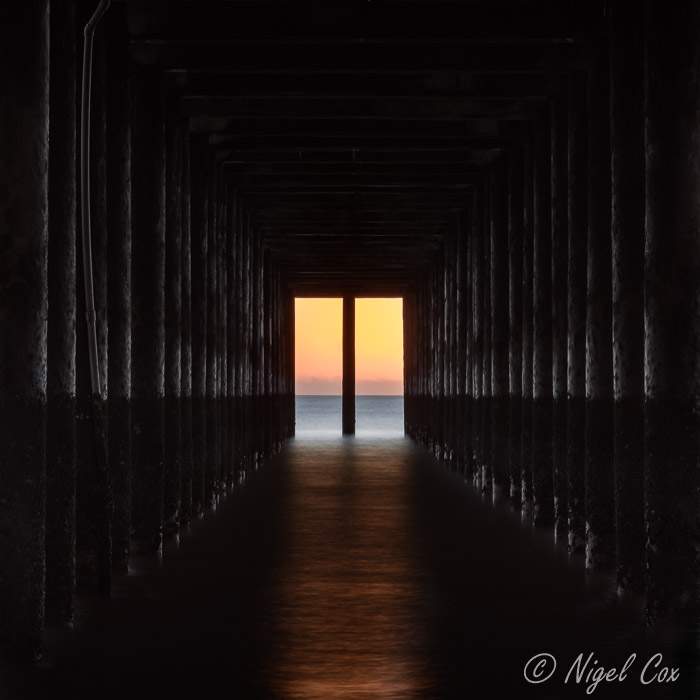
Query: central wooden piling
(348,366)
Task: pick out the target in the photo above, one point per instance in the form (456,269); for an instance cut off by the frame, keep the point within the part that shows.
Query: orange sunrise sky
(378,346)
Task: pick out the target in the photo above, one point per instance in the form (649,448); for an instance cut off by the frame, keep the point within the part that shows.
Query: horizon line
(340,396)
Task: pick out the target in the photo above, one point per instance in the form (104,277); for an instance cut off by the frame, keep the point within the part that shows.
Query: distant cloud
(319,386)
(393,387)
(324,386)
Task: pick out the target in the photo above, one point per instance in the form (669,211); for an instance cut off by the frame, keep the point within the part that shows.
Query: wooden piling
(24,166)
(526,420)
(560,256)
(500,331)
(348,366)
(515,312)
(199,216)
(576,302)
(60,465)
(600,493)
(119,290)
(173,321)
(628,172)
(672,319)
(186,471)
(542,470)
(148,308)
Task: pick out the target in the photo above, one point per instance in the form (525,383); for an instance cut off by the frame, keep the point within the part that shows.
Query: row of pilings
(553,351)
(195,333)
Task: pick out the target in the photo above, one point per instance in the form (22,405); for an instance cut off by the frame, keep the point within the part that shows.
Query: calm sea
(321,416)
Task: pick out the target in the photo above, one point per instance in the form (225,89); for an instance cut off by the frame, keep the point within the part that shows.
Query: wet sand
(357,568)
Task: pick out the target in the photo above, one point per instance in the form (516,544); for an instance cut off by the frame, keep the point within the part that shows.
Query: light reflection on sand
(346,619)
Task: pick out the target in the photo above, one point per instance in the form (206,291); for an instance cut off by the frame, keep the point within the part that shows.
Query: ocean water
(321,416)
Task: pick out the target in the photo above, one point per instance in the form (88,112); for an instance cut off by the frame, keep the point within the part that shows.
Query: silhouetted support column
(431,359)
(229,356)
(421,359)
(487,465)
(24,162)
(515,313)
(348,366)
(437,346)
(221,334)
(119,295)
(245,347)
(186,338)
(276,336)
(252,427)
(600,493)
(257,386)
(278,355)
(279,342)
(454,330)
(267,308)
(60,448)
(148,273)
(225,394)
(431,368)
(219,339)
(528,233)
(560,255)
(542,480)
(576,299)
(462,340)
(499,331)
(439,310)
(478,332)
(242,336)
(237,351)
(173,321)
(409,371)
(628,170)
(251,359)
(672,321)
(263,310)
(468,339)
(199,217)
(93,508)
(211,475)
(448,324)
(291,366)
(272,349)
(276,350)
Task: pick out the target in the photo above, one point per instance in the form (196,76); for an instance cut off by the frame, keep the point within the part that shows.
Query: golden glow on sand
(378,346)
